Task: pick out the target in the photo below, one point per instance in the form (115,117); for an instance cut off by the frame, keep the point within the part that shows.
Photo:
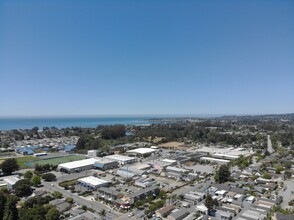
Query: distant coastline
(9,123)
(28,122)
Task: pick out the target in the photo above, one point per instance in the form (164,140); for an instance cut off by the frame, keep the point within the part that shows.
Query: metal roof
(93,181)
(78,164)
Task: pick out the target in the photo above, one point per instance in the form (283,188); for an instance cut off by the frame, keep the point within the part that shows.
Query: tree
(69,200)
(181,197)
(81,142)
(28,174)
(52,214)
(36,212)
(215,202)
(209,203)
(150,199)
(57,195)
(10,210)
(162,194)
(44,168)
(139,203)
(84,207)
(34,201)
(35,129)
(279,169)
(36,180)
(49,177)
(266,176)
(113,132)
(9,165)
(23,188)
(222,174)
(2,205)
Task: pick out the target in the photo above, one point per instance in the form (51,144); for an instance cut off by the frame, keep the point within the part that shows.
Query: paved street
(110,213)
(269,144)
(287,194)
(197,186)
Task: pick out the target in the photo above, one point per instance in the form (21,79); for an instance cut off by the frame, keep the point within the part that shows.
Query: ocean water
(64,122)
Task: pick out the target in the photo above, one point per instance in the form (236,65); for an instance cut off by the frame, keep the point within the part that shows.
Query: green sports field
(56,160)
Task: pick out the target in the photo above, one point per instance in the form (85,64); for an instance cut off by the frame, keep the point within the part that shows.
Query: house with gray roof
(178,215)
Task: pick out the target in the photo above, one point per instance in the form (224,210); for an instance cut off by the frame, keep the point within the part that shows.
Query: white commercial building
(92,182)
(105,164)
(215,160)
(121,159)
(225,156)
(141,152)
(77,166)
(169,161)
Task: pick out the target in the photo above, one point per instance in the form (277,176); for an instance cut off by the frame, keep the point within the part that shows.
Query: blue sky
(146,57)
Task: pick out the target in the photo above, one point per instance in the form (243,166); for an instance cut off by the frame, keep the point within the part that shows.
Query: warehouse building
(135,170)
(225,156)
(92,183)
(77,166)
(144,193)
(125,173)
(105,164)
(121,159)
(215,160)
(141,166)
(141,152)
(162,164)
(145,182)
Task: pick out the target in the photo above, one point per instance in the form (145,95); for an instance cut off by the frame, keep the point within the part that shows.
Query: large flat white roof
(103,160)
(142,151)
(214,159)
(77,164)
(225,155)
(118,157)
(169,161)
(93,181)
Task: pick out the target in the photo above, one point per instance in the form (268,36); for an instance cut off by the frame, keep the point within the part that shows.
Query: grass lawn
(58,160)
(31,160)
(22,160)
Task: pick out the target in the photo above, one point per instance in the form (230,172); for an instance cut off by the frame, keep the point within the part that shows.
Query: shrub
(49,177)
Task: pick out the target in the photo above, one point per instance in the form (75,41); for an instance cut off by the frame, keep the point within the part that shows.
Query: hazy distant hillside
(289,116)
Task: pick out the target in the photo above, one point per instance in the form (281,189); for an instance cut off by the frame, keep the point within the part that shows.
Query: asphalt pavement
(287,193)
(110,213)
(269,144)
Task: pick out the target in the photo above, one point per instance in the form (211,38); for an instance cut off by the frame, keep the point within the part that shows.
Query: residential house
(178,215)
(165,211)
